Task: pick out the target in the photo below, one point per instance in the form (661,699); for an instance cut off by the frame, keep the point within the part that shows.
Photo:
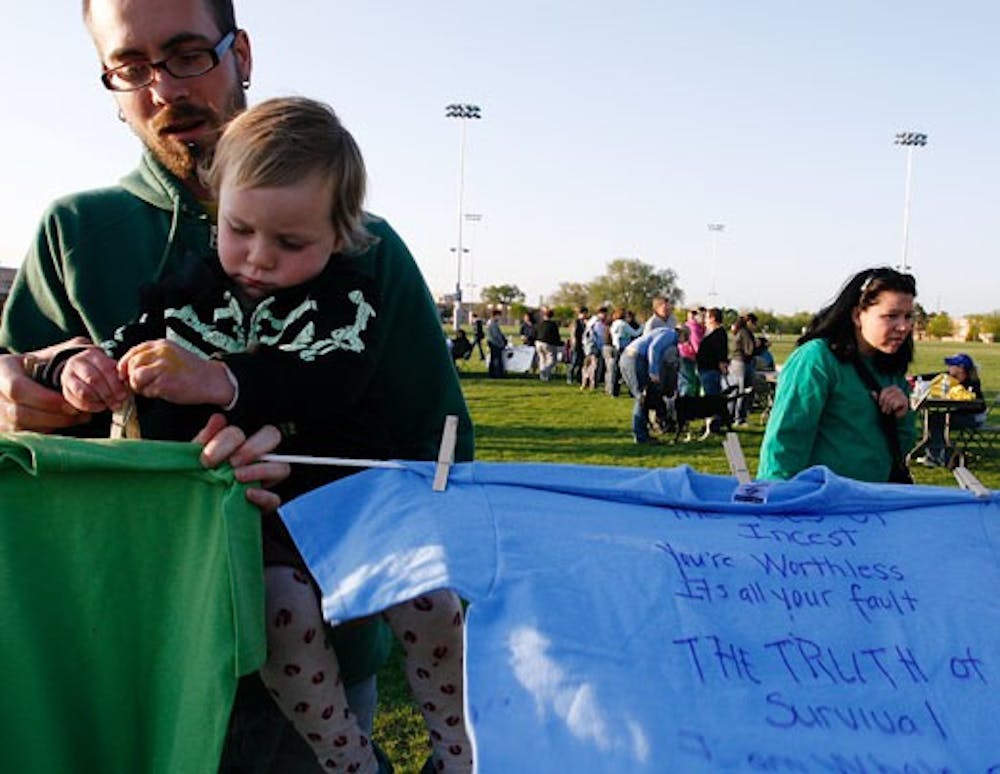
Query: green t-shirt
(132,600)
(824,415)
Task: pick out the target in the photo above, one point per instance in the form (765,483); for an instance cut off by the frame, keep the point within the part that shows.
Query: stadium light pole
(470,283)
(463,112)
(716,229)
(910,140)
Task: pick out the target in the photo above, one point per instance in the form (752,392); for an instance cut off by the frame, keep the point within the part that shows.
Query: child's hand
(162,369)
(90,382)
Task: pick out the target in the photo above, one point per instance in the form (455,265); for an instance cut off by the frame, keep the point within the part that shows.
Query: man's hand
(225,442)
(162,369)
(90,381)
(26,405)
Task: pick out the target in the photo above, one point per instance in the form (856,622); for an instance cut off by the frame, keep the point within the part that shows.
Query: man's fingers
(19,416)
(267,473)
(268,502)
(221,446)
(27,405)
(224,442)
(215,423)
(262,442)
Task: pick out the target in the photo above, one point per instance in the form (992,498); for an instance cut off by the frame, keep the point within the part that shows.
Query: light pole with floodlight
(911,140)
(463,112)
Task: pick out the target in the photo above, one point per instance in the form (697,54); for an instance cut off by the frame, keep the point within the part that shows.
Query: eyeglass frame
(216,52)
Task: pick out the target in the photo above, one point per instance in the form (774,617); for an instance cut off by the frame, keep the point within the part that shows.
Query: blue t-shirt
(626,620)
(654,346)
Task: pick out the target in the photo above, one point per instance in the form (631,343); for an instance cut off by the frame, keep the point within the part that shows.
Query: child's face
(958,372)
(271,238)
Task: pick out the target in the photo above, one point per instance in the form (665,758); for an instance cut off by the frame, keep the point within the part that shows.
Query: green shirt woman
(824,414)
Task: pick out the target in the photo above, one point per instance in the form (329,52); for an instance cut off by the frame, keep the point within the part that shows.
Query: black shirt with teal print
(300,356)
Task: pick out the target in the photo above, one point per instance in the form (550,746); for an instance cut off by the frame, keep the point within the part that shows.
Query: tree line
(632,284)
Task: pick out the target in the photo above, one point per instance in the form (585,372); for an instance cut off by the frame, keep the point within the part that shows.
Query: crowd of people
(612,347)
(858,347)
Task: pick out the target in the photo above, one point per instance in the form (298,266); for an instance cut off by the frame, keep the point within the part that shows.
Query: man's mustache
(181,115)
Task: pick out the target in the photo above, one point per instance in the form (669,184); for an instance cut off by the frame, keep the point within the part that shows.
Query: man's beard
(187,160)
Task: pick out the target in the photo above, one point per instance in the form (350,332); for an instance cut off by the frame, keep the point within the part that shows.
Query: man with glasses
(178,71)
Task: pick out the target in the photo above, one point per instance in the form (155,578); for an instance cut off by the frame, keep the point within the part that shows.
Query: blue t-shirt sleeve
(380,537)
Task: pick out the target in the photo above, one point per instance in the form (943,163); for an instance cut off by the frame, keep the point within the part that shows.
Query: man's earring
(246,84)
(121,115)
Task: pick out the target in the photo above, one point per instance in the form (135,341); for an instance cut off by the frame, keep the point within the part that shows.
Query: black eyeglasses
(186,64)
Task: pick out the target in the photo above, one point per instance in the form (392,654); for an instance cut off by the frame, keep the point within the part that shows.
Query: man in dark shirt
(547,344)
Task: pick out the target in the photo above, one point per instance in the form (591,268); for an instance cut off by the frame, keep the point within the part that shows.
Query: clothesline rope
(342,462)
(731,444)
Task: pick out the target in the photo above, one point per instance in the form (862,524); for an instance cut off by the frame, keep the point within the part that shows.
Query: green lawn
(521,419)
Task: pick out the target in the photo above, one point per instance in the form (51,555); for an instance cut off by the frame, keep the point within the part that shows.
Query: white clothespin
(446,454)
(125,421)
(737,462)
(968,481)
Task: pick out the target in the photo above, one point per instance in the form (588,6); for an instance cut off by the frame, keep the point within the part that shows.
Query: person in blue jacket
(650,358)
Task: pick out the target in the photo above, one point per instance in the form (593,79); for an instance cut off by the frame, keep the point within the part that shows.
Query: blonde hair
(283,141)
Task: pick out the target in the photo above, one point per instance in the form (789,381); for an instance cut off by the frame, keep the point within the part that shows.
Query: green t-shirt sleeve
(803,389)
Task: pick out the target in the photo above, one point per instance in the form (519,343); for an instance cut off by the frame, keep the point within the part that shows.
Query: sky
(608,130)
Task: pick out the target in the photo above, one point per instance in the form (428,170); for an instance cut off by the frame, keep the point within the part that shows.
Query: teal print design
(246,334)
(348,337)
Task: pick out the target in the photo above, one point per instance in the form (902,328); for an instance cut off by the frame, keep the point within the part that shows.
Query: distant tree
(502,294)
(517,310)
(563,313)
(630,283)
(987,323)
(940,325)
(920,317)
(793,323)
(570,294)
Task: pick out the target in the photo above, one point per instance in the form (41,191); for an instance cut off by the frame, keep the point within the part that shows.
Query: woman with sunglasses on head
(842,398)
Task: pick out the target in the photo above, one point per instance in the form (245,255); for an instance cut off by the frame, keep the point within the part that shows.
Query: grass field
(522,419)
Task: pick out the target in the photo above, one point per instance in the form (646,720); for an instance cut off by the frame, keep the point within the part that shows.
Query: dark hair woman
(843,381)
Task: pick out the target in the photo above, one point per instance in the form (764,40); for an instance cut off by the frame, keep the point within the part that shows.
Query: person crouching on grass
(282,331)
